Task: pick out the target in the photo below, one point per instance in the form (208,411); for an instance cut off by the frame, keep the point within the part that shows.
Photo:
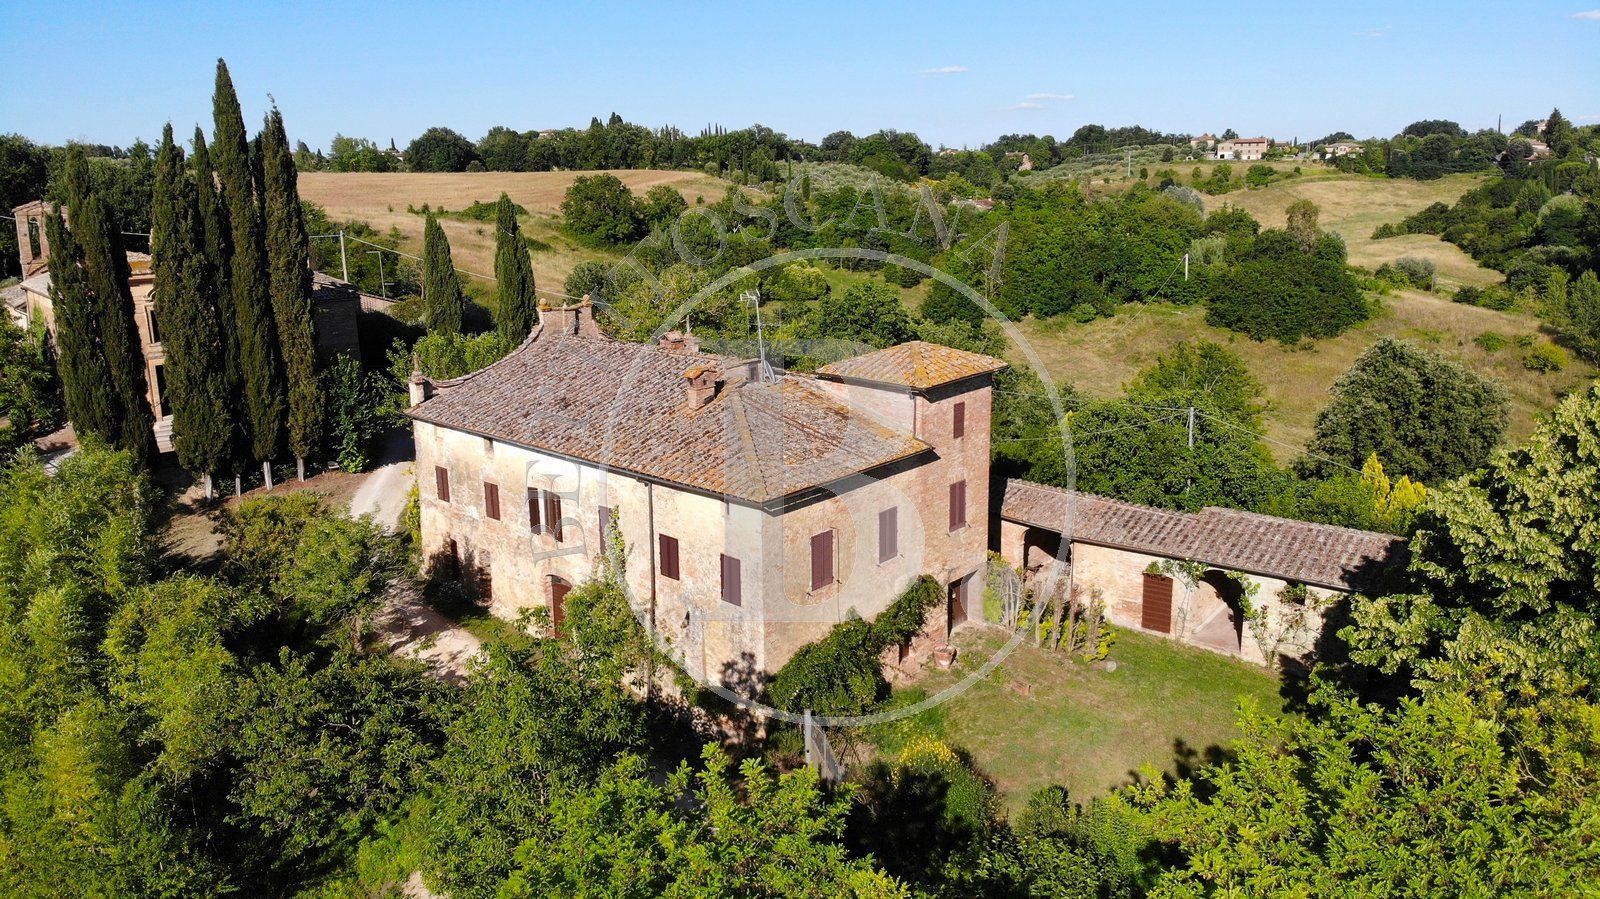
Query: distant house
(1025,164)
(1203,142)
(1244,148)
(1340,148)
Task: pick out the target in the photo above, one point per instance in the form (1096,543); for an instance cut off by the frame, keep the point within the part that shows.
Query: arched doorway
(559,588)
(1217,613)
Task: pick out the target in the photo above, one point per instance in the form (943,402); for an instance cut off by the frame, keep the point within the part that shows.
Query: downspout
(650,513)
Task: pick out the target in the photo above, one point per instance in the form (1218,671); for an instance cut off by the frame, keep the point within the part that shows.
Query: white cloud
(1592,15)
(945,70)
(1047,96)
(1022,105)
(1374,32)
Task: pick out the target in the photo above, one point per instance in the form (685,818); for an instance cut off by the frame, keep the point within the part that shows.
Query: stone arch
(1216,615)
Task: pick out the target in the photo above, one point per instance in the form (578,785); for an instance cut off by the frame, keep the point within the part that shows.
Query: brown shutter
(669,557)
(534,523)
(730,581)
(491,500)
(888,533)
(960,428)
(441,483)
(958,505)
(821,560)
(552,514)
(1156,611)
(605,522)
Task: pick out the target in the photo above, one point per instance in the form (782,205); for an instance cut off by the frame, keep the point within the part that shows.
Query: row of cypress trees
(444,304)
(231,260)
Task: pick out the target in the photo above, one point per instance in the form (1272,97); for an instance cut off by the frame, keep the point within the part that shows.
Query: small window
(731,591)
(605,519)
(958,505)
(491,501)
(821,560)
(960,427)
(35,245)
(669,557)
(552,514)
(154,324)
(441,483)
(534,522)
(888,533)
(488,448)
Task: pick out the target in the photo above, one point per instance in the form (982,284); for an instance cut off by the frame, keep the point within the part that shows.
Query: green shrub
(1419,271)
(1491,342)
(1471,296)
(1546,357)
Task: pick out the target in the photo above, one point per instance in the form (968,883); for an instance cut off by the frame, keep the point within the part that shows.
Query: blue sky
(955,74)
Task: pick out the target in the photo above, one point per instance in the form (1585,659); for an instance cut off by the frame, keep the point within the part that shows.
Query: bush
(1546,357)
(1491,342)
(1419,271)
(1471,296)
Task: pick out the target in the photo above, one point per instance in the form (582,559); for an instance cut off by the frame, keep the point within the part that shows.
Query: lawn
(1091,728)
(381,199)
(1101,357)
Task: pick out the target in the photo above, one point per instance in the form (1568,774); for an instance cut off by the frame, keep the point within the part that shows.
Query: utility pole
(1130,162)
(1189,481)
(344,261)
(1185,266)
(383,284)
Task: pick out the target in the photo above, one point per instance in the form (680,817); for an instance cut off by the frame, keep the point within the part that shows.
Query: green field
(1087,727)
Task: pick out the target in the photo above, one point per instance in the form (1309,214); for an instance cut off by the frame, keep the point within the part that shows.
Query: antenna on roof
(754,298)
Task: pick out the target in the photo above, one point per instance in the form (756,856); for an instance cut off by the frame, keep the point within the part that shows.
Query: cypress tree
(106,272)
(190,331)
(513,272)
(218,292)
(260,367)
(289,267)
(85,377)
(442,301)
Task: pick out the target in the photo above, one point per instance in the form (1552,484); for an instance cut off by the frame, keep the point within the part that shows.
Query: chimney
(565,321)
(418,386)
(700,385)
(678,342)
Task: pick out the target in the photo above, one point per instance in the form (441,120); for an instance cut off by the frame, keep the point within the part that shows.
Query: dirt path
(411,628)
(383,490)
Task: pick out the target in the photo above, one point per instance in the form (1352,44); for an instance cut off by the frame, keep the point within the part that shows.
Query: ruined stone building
(757,512)
(336,308)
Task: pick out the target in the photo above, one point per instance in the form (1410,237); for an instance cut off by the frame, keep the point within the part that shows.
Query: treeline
(121,177)
(1433,148)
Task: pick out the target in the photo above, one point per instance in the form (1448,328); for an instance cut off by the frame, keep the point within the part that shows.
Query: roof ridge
(1246,513)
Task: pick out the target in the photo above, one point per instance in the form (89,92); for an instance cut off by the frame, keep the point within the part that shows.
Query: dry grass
(1103,356)
(380,199)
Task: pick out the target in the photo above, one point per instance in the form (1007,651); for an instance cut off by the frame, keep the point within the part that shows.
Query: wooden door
(957,603)
(558,601)
(1156,611)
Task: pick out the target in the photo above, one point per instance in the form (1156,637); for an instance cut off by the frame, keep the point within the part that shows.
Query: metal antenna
(754,298)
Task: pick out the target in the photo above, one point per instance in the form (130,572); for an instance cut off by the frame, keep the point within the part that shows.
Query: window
(441,483)
(822,560)
(605,522)
(731,593)
(154,325)
(960,427)
(491,501)
(35,245)
(958,505)
(488,448)
(552,514)
(669,557)
(888,533)
(534,523)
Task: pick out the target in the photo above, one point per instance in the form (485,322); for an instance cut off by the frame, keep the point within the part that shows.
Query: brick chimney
(569,321)
(678,342)
(700,385)
(418,385)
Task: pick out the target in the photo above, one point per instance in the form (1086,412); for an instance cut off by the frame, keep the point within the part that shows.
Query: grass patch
(1088,728)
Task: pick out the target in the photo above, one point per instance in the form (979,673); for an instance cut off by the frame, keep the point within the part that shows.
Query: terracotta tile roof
(623,406)
(918,364)
(1318,554)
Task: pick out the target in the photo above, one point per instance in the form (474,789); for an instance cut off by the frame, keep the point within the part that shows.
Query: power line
(1283,443)
(347,236)
(123,233)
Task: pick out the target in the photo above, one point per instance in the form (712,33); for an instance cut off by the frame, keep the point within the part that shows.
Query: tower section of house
(754,512)
(335,305)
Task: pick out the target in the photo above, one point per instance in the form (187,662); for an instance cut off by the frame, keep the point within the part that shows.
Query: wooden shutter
(888,533)
(1156,611)
(441,483)
(821,560)
(960,428)
(669,557)
(491,500)
(534,522)
(552,514)
(730,581)
(958,505)
(605,522)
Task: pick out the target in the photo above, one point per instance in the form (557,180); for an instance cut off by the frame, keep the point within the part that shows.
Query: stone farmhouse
(1244,148)
(336,308)
(757,511)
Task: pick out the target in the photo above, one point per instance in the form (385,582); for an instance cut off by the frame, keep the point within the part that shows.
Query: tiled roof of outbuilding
(1319,554)
(623,406)
(918,364)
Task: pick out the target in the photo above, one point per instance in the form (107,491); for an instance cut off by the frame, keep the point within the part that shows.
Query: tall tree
(85,378)
(289,267)
(442,301)
(260,366)
(513,272)
(219,254)
(191,332)
(106,272)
